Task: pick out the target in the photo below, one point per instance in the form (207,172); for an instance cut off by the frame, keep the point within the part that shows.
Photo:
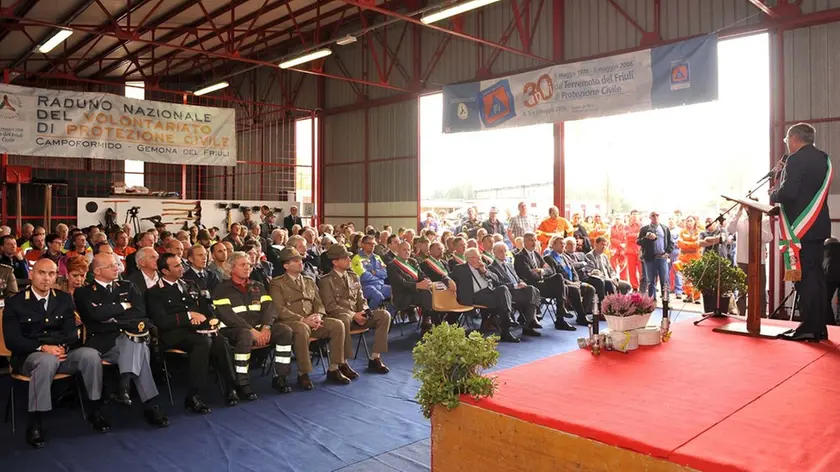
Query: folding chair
(445,301)
(362,341)
(179,352)
(323,347)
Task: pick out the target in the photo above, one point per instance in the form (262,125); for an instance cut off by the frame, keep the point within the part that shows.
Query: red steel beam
(227,57)
(764,8)
(143,29)
(259,31)
(558,53)
(621,11)
(64,20)
(457,34)
(18,9)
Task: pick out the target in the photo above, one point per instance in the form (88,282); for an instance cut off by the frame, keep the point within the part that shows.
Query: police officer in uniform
(40,329)
(114,314)
(186,321)
(249,321)
(343,300)
(297,298)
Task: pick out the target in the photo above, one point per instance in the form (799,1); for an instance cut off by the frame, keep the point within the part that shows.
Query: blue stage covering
(371,425)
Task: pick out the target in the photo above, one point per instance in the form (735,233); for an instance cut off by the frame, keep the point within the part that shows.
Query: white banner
(41,122)
(665,76)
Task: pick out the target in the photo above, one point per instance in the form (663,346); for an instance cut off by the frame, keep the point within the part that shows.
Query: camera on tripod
(134,211)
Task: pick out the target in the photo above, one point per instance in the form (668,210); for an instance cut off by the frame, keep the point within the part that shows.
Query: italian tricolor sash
(405,266)
(793,231)
(459,259)
(437,266)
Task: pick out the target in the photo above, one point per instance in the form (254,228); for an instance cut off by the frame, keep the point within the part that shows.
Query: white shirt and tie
(480,282)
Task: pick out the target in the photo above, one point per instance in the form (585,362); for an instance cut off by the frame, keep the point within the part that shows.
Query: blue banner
(666,76)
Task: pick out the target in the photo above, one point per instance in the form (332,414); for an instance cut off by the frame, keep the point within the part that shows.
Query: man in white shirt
(147,275)
(740,226)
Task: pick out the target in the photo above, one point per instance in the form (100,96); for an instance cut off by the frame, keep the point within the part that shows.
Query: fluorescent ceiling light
(346,40)
(211,88)
(305,58)
(56,39)
(455,10)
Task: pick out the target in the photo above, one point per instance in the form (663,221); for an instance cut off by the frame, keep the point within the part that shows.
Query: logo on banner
(680,75)
(497,104)
(463,112)
(10,107)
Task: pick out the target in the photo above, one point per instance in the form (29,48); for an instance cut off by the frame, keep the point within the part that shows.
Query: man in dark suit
(292,219)
(409,285)
(805,183)
(143,240)
(393,247)
(831,267)
(198,273)
(536,272)
(146,274)
(526,297)
(477,285)
(580,294)
(656,245)
(186,321)
(39,326)
(115,317)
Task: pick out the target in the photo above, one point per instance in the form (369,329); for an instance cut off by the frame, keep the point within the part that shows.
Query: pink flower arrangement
(627,305)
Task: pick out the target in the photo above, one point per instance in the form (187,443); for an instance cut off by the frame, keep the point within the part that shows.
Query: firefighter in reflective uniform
(297,298)
(249,321)
(343,299)
(186,321)
(689,244)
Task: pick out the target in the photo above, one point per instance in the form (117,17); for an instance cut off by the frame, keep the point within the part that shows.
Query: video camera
(134,211)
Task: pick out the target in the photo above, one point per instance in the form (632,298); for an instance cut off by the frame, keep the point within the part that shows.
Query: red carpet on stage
(706,400)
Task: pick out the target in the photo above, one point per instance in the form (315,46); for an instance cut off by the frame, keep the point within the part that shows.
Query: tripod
(784,301)
(131,216)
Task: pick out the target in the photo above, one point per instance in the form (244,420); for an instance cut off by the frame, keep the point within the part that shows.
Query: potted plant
(627,312)
(448,364)
(703,274)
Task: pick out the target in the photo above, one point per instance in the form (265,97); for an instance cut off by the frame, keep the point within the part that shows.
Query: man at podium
(805,224)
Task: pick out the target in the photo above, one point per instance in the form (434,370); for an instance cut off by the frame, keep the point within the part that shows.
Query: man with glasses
(372,272)
(478,285)
(803,197)
(114,315)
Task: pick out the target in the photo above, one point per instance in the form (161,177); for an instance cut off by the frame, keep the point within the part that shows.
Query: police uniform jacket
(168,305)
(26,325)
(243,307)
(105,317)
(342,294)
(294,302)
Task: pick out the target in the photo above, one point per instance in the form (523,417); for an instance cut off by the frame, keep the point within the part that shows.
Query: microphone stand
(717,312)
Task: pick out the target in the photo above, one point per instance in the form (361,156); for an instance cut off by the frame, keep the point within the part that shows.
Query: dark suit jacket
(96,307)
(130,264)
(432,271)
(463,277)
(387,257)
(168,306)
(139,281)
(802,178)
(504,276)
(26,325)
(523,265)
(289,221)
(211,279)
(647,245)
(402,284)
(562,267)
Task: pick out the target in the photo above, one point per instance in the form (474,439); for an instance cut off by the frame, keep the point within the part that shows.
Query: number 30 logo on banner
(538,92)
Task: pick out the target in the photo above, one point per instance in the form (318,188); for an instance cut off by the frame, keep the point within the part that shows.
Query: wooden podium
(755,212)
